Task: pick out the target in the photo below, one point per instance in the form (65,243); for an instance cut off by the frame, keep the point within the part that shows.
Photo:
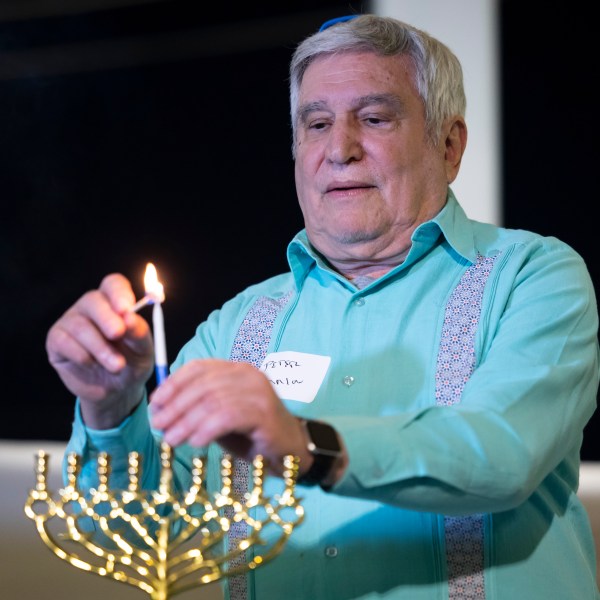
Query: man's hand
(230,403)
(103,352)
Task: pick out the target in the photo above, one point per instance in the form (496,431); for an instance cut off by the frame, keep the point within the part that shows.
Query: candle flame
(152,285)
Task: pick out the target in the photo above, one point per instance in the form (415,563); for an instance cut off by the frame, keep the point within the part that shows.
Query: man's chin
(356,237)
(350,239)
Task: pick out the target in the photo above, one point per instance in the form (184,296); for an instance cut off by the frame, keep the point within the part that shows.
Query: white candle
(155,291)
(160,345)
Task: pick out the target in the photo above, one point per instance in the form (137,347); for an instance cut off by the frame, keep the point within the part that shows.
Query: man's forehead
(354,80)
(359,69)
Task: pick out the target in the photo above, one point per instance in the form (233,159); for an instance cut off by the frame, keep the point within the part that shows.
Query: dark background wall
(159,131)
(549,54)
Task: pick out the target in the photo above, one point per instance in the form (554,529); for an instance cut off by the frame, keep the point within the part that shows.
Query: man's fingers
(76,340)
(118,292)
(206,400)
(96,307)
(101,331)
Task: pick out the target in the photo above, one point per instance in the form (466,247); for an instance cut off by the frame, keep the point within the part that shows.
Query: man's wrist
(100,415)
(324,445)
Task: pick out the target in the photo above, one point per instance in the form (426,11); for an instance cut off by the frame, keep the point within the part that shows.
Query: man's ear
(455,144)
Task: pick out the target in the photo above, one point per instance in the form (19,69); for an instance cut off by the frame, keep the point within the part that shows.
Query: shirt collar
(454,225)
(451,222)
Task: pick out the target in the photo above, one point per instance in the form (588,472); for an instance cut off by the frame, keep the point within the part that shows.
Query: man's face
(366,174)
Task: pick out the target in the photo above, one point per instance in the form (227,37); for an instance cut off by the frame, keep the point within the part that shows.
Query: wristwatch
(325,447)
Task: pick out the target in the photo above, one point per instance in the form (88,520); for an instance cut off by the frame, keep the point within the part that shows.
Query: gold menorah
(163,542)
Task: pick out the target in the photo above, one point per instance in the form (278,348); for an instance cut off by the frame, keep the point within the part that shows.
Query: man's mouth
(342,186)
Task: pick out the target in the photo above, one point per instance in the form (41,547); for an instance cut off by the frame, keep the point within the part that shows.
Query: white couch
(30,571)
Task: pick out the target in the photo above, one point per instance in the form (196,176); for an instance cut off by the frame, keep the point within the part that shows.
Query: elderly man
(444,369)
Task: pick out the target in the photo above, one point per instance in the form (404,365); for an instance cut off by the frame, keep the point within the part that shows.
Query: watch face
(323,437)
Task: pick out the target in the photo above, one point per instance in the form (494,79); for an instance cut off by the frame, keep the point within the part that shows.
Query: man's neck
(368,269)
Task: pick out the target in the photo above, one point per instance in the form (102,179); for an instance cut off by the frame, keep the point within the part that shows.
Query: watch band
(325,448)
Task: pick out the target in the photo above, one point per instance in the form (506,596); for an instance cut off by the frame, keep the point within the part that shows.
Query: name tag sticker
(295,375)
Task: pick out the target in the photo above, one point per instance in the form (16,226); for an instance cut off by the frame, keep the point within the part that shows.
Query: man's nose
(344,144)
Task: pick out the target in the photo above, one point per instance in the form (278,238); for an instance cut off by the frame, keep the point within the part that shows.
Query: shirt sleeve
(133,435)
(521,413)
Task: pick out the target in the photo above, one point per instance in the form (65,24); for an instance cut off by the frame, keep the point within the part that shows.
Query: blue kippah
(331,22)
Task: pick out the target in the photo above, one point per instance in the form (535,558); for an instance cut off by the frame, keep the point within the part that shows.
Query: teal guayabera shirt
(460,382)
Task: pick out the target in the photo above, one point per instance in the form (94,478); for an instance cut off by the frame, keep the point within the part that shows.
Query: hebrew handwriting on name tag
(295,375)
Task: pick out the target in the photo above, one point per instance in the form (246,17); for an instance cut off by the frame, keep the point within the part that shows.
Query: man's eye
(318,125)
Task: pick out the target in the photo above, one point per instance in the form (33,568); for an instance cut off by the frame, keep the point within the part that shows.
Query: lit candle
(156,295)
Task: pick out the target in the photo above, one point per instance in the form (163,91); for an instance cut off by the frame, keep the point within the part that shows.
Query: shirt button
(359,302)
(348,380)
(331,552)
